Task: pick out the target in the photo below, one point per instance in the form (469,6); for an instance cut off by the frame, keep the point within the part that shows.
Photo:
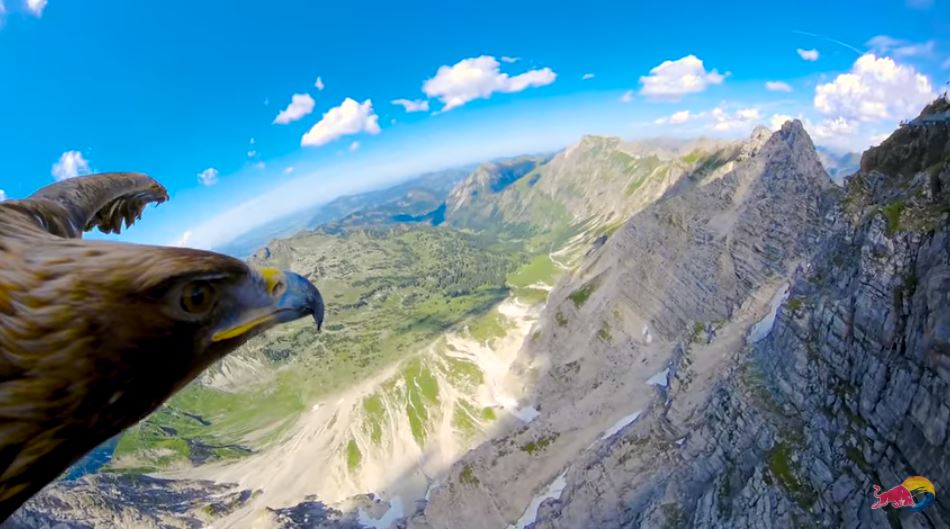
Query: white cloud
(36,6)
(208,177)
(348,118)
(183,240)
(587,76)
(252,141)
(721,119)
(3,195)
(479,78)
(946,64)
(748,114)
(808,55)
(355,145)
(834,127)
(777,120)
(920,4)
(874,89)
(901,48)
(319,84)
(418,105)
(627,96)
(260,165)
(300,105)
(510,60)
(778,86)
(289,169)
(677,118)
(251,154)
(674,79)
(71,164)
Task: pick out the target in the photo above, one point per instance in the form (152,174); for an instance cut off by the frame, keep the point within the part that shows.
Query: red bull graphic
(916,493)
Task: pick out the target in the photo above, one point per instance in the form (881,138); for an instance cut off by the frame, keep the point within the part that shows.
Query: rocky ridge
(784,416)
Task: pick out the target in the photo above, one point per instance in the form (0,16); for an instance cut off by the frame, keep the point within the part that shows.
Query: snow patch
(553,492)
(646,334)
(395,512)
(526,414)
(679,442)
(315,407)
(432,486)
(764,326)
(620,425)
(660,379)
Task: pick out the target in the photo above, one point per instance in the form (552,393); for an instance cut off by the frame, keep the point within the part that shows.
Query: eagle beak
(300,299)
(290,297)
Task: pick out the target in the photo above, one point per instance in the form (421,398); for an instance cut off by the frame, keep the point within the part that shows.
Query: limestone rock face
(843,384)
(641,339)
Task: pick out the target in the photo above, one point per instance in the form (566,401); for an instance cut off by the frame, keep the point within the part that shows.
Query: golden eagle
(95,335)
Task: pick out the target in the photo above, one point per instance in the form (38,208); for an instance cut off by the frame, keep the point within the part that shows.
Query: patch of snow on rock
(620,425)
(764,326)
(660,379)
(554,491)
(526,414)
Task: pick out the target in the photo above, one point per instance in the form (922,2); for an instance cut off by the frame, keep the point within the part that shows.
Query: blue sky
(179,89)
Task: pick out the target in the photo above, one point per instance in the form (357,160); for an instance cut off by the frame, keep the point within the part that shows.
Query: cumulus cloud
(300,105)
(808,55)
(587,76)
(251,154)
(627,96)
(509,60)
(777,120)
(418,105)
(726,121)
(674,79)
(348,118)
(319,84)
(777,86)
(875,89)
(288,169)
(252,141)
(479,78)
(36,6)
(353,146)
(676,118)
(183,240)
(70,165)
(3,195)
(901,48)
(208,177)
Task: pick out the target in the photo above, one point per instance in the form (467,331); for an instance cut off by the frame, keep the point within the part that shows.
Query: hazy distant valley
(622,334)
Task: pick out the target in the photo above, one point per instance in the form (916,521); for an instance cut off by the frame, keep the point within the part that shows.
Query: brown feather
(88,343)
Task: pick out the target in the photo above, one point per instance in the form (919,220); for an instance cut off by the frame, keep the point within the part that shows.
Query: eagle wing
(77,205)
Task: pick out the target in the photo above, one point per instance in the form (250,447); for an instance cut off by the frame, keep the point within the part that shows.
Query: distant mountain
(595,184)
(839,165)
(413,197)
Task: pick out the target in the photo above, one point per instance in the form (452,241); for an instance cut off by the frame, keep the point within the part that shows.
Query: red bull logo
(916,493)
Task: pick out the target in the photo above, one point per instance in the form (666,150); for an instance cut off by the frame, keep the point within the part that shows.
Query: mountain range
(672,334)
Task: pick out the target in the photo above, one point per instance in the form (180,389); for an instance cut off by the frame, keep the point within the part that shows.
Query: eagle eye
(197,297)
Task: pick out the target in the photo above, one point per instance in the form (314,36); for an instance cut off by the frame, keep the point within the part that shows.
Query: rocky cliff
(773,352)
